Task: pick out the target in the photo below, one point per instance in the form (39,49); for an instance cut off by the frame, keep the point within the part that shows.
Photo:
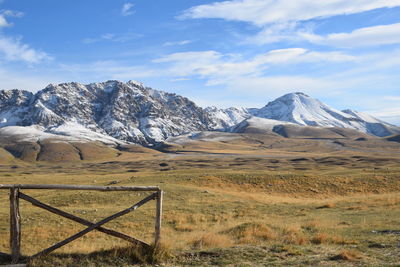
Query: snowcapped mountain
(115,112)
(302,109)
(129,112)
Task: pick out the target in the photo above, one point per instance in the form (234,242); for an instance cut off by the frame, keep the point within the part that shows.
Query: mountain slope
(14,107)
(256,125)
(301,109)
(370,125)
(221,119)
(115,113)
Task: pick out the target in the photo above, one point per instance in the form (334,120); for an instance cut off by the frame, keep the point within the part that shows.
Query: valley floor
(227,208)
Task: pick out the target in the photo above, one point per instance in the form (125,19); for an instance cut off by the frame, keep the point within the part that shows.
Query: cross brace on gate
(15,218)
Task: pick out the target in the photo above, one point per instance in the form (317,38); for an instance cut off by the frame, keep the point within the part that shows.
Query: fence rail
(15,217)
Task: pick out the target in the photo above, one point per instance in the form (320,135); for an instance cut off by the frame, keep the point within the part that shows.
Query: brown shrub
(250,233)
(320,238)
(294,235)
(347,255)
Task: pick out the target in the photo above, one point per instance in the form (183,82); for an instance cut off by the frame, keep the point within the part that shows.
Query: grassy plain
(250,202)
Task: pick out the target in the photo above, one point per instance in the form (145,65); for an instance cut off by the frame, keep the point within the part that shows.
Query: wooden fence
(15,218)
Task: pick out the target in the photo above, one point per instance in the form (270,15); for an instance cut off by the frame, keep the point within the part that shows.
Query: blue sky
(223,53)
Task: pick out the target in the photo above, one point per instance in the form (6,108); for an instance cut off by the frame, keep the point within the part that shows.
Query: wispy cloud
(263,12)
(369,36)
(255,75)
(216,66)
(284,20)
(177,43)
(113,37)
(8,13)
(13,49)
(180,79)
(127,9)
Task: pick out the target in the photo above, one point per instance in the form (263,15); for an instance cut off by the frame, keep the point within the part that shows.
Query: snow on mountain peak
(302,109)
(294,95)
(132,112)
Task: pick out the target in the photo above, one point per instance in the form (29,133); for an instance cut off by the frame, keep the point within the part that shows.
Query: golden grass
(251,233)
(211,240)
(312,212)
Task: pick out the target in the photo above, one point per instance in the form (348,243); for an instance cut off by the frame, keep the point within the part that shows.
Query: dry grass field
(250,201)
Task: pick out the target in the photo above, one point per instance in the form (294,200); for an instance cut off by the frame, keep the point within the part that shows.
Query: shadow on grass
(4,258)
(122,256)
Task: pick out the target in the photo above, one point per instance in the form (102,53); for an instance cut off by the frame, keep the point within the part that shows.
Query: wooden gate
(15,218)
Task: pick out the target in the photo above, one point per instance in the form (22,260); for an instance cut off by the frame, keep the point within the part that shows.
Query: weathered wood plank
(15,226)
(77,219)
(80,187)
(158,216)
(96,225)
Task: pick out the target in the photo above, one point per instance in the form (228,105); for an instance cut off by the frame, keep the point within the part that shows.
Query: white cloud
(177,43)
(14,50)
(369,36)
(286,31)
(301,55)
(8,13)
(229,71)
(280,20)
(127,9)
(112,37)
(252,75)
(216,66)
(3,22)
(263,12)
(180,79)
(189,63)
(12,13)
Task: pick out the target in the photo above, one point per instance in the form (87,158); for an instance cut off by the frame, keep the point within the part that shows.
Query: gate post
(158,216)
(15,225)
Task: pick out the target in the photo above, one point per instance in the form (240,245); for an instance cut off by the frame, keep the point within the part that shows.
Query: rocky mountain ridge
(117,112)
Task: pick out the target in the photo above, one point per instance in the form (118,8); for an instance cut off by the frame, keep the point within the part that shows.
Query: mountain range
(116,113)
